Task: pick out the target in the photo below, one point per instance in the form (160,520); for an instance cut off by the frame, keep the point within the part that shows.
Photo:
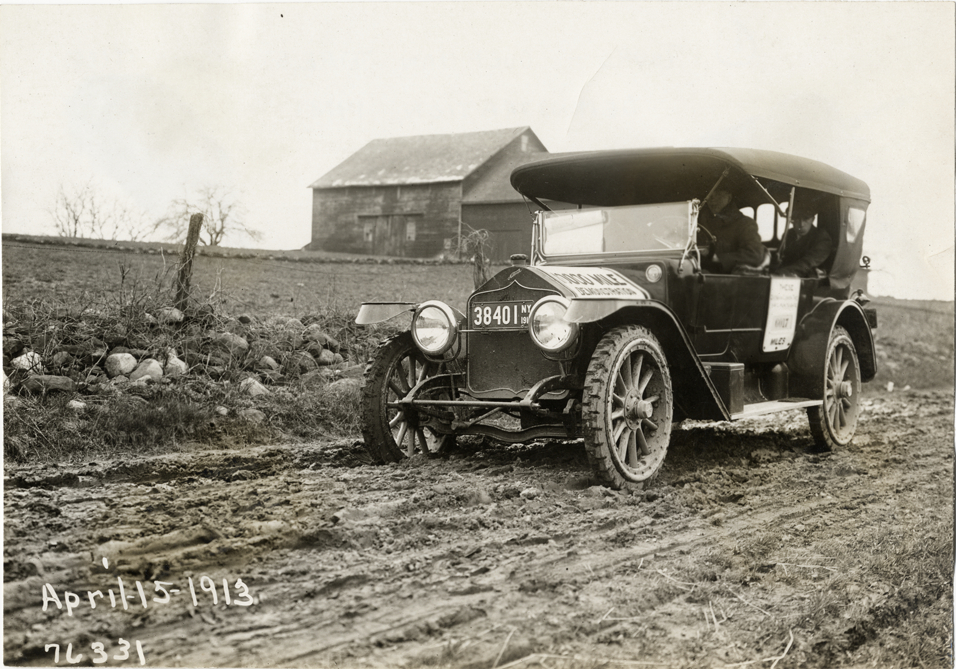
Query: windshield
(635,229)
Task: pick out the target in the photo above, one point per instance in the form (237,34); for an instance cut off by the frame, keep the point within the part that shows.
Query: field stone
(267,362)
(147,369)
(62,359)
(12,346)
(252,387)
(29,362)
(252,415)
(169,315)
(175,367)
(314,348)
(231,342)
(327,358)
(236,327)
(45,383)
(302,363)
(120,364)
(332,343)
(345,386)
(259,348)
(290,340)
(320,375)
(351,371)
(314,333)
(273,376)
(116,336)
(215,371)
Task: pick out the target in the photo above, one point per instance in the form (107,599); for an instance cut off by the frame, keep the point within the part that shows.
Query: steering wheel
(706,248)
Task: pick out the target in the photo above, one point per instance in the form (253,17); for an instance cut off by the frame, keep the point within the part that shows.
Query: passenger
(735,240)
(804,247)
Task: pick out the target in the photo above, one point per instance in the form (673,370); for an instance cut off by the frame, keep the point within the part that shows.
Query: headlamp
(434,327)
(547,326)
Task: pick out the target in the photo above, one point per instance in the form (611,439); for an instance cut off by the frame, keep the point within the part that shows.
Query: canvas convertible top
(644,176)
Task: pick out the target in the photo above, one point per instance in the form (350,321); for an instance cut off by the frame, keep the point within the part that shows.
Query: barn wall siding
(338,216)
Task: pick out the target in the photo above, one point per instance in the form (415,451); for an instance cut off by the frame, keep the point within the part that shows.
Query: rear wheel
(628,407)
(834,423)
(393,433)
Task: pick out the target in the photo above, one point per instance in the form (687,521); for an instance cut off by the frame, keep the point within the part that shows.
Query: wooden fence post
(186,262)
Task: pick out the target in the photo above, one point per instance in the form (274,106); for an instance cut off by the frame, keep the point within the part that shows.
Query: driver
(734,238)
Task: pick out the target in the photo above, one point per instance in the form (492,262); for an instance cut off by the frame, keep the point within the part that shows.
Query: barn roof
(422,159)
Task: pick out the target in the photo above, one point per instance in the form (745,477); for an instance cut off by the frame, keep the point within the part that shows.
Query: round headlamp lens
(434,328)
(547,325)
(654,273)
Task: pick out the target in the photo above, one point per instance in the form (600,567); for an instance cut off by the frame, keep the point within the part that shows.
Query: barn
(415,196)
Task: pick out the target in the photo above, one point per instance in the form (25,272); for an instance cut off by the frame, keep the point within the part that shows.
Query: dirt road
(750,547)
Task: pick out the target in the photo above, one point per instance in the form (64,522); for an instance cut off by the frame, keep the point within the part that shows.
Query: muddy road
(750,548)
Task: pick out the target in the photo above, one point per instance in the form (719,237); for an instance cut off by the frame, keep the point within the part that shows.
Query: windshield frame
(540,257)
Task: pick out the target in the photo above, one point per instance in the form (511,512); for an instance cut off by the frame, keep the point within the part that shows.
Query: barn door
(384,235)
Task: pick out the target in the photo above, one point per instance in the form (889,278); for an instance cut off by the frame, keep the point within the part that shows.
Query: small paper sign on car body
(781,314)
(595,282)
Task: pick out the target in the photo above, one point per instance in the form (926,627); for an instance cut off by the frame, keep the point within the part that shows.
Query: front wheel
(392,433)
(834,423)
(628,407)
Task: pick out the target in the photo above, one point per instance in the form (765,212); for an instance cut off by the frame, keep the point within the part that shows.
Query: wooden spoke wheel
(391,432)
(834,423)
(628,407)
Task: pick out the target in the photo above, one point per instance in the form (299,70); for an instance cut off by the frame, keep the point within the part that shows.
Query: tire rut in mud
(492,554)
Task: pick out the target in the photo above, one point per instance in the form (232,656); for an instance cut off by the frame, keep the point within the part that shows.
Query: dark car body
(615,328)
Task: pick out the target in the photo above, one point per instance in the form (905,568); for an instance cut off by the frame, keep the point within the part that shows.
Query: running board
(773,406)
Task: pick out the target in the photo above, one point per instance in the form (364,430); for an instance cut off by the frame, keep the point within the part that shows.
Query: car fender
(807,359)
(379,312)
(693,389)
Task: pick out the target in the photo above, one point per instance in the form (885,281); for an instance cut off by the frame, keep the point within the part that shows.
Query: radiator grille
(503,363)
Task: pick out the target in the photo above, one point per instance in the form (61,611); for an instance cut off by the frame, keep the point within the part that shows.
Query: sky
(150,102)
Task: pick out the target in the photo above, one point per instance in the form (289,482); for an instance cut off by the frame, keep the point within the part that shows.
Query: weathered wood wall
(339,217)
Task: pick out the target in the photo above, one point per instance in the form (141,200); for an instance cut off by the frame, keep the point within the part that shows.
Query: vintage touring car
(615,328)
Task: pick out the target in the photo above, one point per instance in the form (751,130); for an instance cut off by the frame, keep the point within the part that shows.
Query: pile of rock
(253,353)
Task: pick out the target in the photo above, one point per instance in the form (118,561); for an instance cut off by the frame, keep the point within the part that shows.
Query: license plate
(500,315)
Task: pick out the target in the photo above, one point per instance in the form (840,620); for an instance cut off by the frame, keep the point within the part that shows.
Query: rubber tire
(604,376)
(397,353)
(825,420)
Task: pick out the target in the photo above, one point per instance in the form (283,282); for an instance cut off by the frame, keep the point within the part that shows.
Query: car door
(730,315)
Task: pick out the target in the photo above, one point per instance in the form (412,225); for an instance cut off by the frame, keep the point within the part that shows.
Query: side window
(854,223)
(767,223)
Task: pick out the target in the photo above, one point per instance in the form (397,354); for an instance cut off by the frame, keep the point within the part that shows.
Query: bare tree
(71,212)
(84,212)
(222,215)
